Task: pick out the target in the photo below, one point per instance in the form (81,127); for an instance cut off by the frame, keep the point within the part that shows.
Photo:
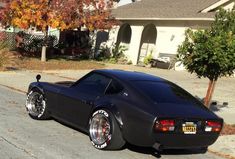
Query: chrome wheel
(100,129)
(35,104)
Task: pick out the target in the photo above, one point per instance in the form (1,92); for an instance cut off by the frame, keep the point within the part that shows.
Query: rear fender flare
(113,109)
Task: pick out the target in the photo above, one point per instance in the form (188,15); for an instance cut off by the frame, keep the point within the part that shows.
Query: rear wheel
(104,131)
(36,105)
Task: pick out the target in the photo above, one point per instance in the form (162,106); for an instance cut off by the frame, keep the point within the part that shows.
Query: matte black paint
(135,112)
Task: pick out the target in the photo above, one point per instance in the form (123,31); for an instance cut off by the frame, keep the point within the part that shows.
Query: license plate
(189,128)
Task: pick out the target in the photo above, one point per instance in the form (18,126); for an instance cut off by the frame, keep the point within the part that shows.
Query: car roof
(129,75)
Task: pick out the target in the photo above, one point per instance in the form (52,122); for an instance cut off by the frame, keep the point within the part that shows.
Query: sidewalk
(19,80)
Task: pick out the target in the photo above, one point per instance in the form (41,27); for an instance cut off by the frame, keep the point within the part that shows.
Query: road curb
(15,89)
(54,74)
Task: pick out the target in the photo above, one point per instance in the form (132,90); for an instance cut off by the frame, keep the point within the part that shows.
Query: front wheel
(36,105)
(104,131)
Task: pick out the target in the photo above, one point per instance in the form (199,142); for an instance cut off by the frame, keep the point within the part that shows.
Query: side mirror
(38,77)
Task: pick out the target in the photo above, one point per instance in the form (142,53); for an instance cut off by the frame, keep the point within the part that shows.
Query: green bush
(115,56)
(118,51)
(148,59)
(34,43)
(104,54)
(210,53)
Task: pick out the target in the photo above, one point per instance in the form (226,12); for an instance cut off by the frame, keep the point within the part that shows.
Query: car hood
(183,111)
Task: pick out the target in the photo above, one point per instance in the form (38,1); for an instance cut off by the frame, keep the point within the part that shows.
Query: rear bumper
(185,141)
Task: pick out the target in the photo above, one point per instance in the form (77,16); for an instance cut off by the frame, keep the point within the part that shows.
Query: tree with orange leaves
(60,14)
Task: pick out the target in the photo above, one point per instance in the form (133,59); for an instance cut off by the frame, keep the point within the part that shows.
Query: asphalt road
(24,138)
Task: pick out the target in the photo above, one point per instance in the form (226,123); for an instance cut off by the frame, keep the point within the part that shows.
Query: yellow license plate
(189,128)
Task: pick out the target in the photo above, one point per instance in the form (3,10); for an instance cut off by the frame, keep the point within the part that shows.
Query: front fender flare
(35,86)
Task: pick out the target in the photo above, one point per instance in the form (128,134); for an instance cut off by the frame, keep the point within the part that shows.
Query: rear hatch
(188,119)
(184,110)
(170,101)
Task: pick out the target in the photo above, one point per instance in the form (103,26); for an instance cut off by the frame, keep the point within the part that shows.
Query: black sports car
(115,107)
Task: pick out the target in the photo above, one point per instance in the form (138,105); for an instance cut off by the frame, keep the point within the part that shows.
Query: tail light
(165,125)
(213,126)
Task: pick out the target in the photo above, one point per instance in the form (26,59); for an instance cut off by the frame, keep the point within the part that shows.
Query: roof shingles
(147,9)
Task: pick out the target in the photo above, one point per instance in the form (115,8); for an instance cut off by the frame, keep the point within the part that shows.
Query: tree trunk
(209,93)
(43,54)
(44,47)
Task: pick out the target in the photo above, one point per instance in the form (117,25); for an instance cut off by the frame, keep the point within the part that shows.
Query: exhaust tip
(157,147)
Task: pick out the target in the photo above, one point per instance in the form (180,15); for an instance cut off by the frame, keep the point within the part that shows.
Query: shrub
(32,44)
(210,53)
(113,54)
(103,53)
(148,59)
(118,51)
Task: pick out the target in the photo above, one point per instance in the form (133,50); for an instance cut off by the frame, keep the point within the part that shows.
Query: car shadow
(68,125)
(144,150)
(158,154)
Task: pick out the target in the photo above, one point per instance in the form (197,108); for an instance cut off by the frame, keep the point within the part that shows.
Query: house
(158,26)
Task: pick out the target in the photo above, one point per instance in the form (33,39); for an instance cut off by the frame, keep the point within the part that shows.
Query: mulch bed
(228,130)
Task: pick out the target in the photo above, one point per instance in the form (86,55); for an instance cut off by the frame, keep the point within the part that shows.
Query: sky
(123,2)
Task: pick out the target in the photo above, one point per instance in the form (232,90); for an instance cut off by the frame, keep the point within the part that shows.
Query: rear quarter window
(114,88)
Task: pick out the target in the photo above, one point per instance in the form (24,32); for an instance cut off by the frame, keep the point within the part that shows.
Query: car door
(76,102)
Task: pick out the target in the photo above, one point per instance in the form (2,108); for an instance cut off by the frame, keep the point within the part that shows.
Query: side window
(114,88)
(93,84)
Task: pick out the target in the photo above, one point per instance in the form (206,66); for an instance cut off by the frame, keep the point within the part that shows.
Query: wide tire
(104,131)
(36,105)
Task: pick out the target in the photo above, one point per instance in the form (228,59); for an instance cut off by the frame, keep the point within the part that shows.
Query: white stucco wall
(168,39)
(133,51)
(113,34)
(170,34)
(133,47)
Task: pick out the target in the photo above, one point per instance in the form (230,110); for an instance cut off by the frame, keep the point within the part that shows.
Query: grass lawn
(52,64)
(57,64)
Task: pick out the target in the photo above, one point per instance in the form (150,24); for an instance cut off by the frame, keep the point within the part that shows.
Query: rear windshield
(164,92)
